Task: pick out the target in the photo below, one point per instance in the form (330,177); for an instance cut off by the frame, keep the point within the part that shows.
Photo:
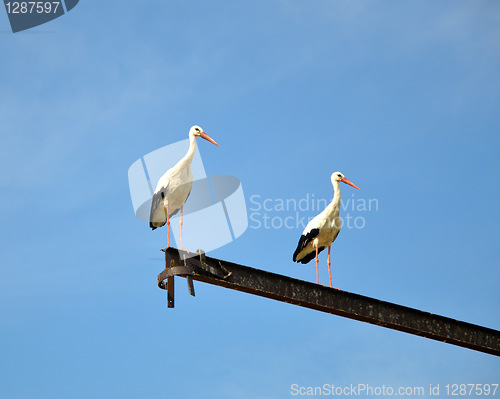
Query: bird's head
(339,177)
(196,131)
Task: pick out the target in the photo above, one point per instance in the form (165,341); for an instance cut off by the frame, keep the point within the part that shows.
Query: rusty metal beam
(286,289)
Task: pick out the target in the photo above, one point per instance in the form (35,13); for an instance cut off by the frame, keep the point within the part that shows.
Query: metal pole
(329,300)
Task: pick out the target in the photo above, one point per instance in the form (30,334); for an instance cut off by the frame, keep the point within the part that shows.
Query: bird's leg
(317,272)
(165,207)
(180,223)
(329,263)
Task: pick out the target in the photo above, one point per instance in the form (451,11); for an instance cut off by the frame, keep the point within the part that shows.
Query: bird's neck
(336,196)
(188,158)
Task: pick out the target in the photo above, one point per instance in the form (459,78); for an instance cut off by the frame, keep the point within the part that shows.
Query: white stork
(323,229)
(174,187)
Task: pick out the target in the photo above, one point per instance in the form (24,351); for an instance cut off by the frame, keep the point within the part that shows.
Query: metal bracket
(172,270)
(189,278)
(186,264)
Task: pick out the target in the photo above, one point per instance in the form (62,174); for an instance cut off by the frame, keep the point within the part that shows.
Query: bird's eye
(339,175)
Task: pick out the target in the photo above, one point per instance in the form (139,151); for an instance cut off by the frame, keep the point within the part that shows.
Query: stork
(174,187)
(323,229)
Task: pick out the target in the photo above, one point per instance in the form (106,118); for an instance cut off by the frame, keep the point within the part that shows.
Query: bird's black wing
(310,256)
(158,201)
(155,203)
(303,241)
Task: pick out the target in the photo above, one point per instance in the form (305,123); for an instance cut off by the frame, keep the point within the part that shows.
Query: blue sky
(402,97)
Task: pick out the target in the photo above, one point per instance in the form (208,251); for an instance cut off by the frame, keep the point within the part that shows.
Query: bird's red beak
(344,180)
(207,137)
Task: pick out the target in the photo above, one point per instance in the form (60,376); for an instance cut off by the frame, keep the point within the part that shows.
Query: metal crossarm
(197,266)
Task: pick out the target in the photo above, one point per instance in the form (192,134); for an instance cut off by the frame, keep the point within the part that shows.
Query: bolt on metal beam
(197,266)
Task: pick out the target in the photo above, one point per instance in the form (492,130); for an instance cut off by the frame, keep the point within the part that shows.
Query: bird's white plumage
(324,228)
(173,189)
(328,223)
(174,186)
